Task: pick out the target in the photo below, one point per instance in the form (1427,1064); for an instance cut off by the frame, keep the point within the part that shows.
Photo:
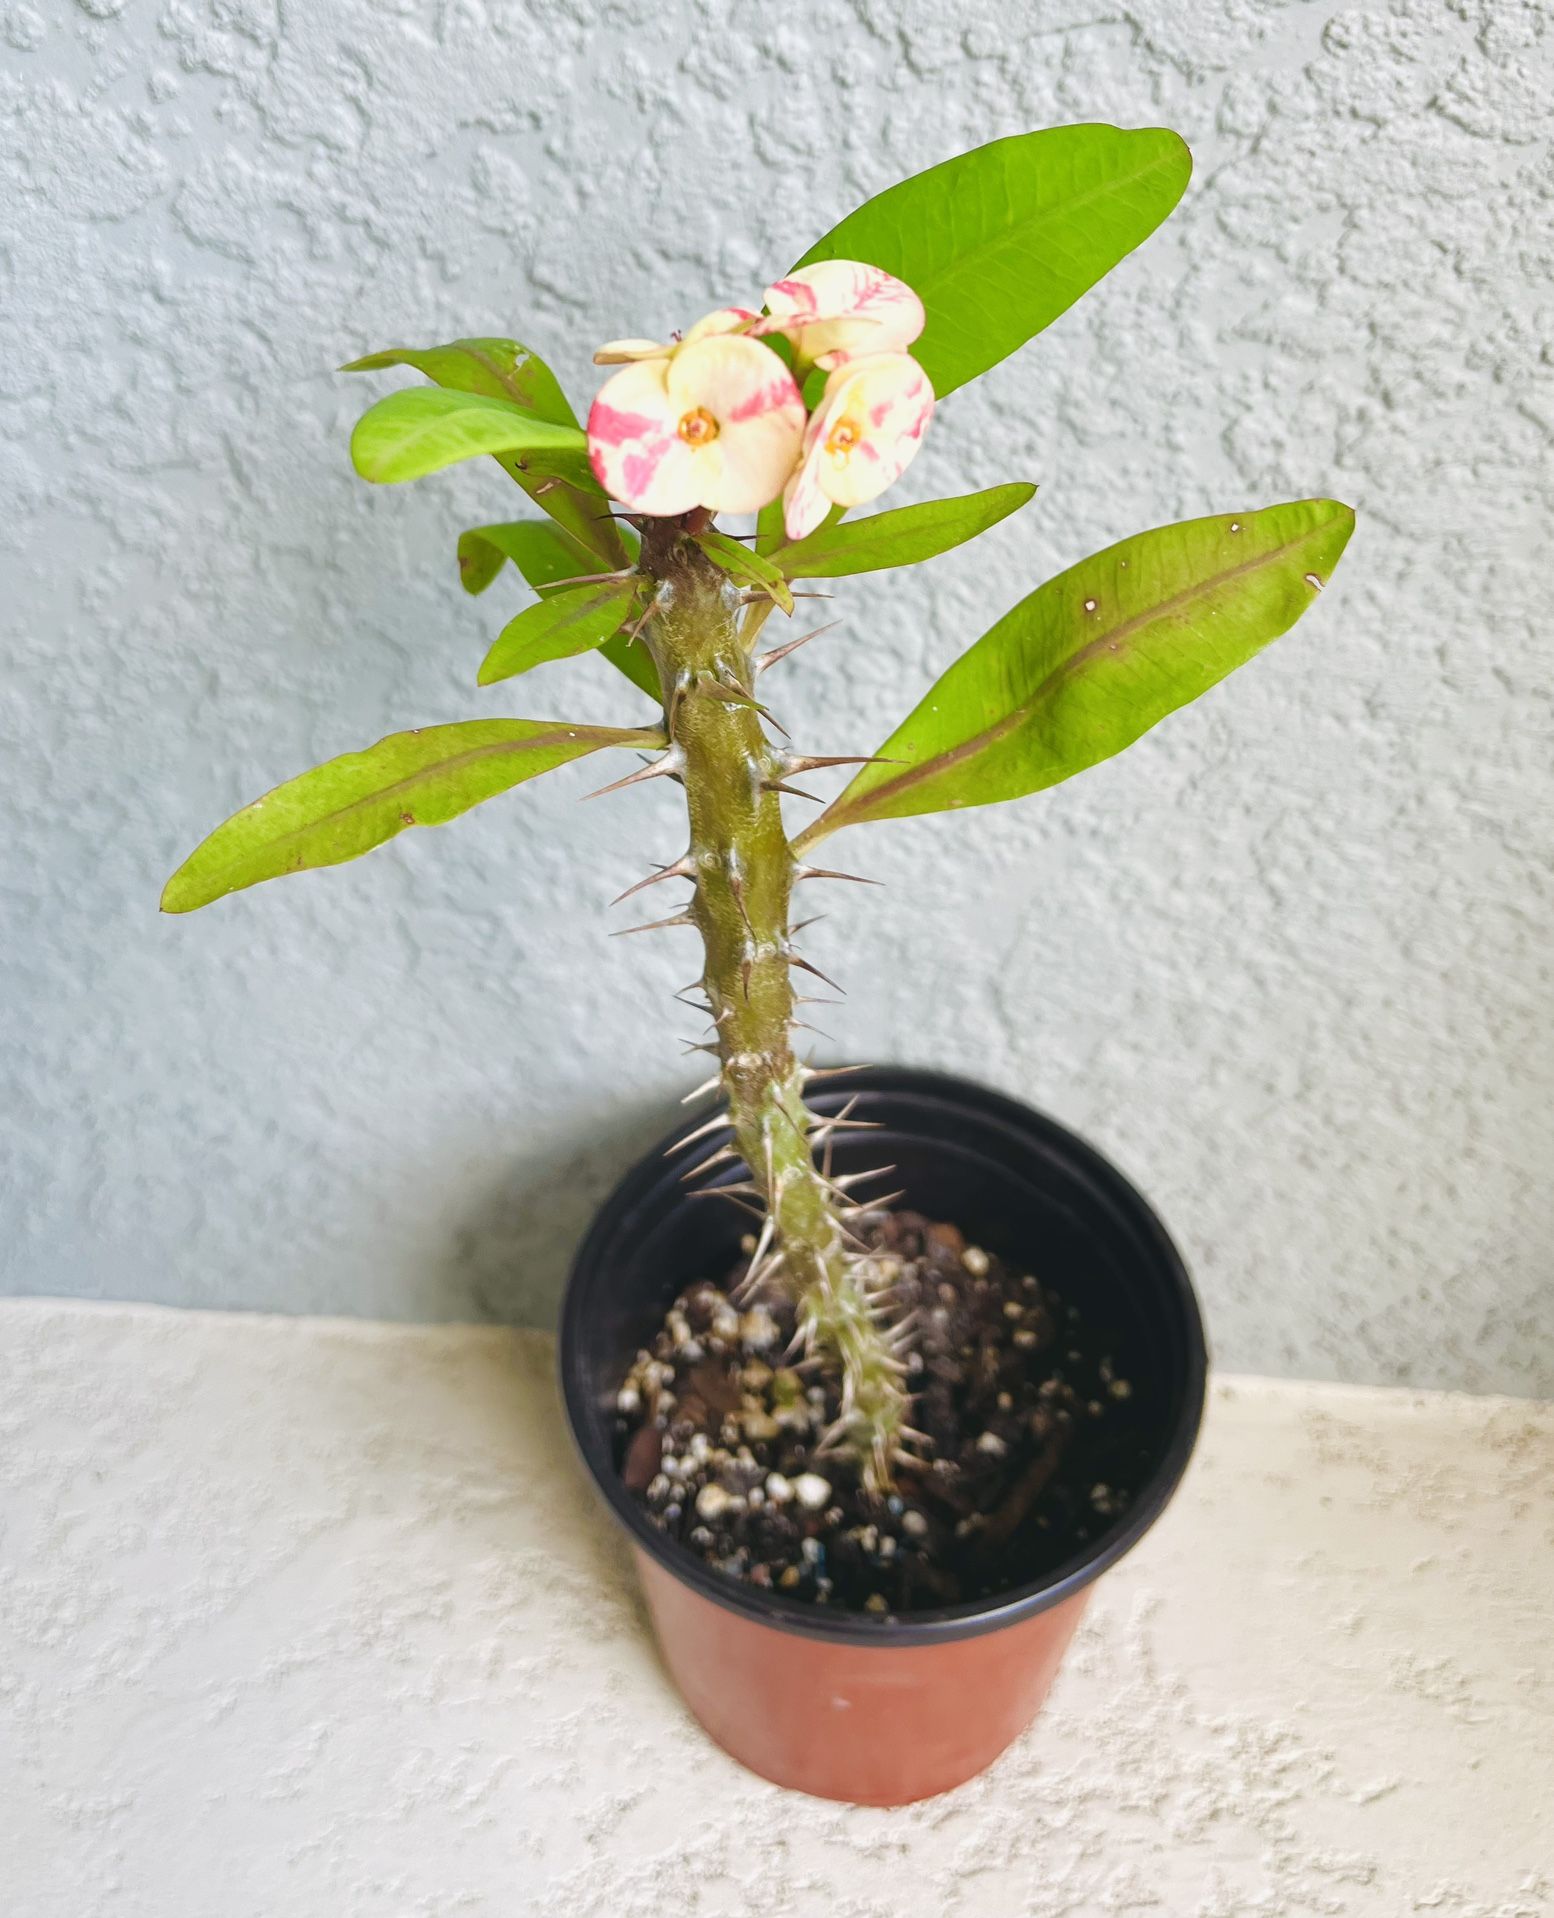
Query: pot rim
(943,1624)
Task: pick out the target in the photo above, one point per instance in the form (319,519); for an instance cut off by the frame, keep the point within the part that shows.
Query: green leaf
(1096,657)
(495,369)
(421,429)
(541,552)
(901,537)
(999,241)
(505,370)
(744,567)
(344,808)
(575,621)
(545,554)
(634,660)
(768,527)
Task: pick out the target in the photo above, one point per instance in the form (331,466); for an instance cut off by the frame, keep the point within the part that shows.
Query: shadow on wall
(509,1253)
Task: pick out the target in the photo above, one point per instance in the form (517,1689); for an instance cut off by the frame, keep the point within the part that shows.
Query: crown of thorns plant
(798,413)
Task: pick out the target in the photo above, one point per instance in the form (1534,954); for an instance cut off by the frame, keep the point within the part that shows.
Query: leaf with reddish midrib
(351,804)
(1088,662)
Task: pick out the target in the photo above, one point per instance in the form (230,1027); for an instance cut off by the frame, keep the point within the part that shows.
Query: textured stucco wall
(1287,960)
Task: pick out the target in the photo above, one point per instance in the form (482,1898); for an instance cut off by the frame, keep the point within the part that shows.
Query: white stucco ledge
(309,1619)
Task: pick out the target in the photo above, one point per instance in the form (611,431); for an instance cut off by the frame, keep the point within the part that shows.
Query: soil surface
(1035,1442)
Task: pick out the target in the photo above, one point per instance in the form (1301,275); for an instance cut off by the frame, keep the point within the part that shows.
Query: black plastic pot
(842,1704)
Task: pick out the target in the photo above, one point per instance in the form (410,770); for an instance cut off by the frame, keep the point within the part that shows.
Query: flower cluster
(716,419)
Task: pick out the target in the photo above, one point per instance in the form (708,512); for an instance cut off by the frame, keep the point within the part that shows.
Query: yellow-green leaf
(1097,656)
(901,537)
(563,624)
(542,552)
(545,554)
(745,568)
(351,804)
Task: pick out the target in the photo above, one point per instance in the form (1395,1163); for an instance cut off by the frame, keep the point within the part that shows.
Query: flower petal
(838,309)
(804,506)
(862,436)
(634,445)
(620,352)
(727,319)
(759,413)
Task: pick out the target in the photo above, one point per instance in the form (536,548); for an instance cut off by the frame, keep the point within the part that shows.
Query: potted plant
(872,1454)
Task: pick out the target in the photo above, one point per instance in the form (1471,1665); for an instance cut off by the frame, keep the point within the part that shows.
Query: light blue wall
(1288,960)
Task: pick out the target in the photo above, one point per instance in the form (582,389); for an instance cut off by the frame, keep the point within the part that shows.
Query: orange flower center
(842,438)
(698,427)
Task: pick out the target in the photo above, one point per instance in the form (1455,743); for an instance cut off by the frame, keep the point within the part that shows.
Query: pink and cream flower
(718,423)
(839,310)
(727,319)
(863,435)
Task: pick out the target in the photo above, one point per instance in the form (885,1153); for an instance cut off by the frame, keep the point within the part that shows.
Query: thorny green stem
(743,870)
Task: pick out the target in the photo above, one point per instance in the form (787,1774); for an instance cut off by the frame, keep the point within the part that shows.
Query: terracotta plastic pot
(845,1705)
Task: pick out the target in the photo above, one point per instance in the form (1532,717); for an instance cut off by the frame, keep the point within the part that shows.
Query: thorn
(736,886)
(697,1045)
(825,1157)
(813,762)
(793,792)
(804,924)
(668,766)
(810,999)
(833,1072)
(729,695)
(681,869)
(719,1122)
(656,925)
(647,613)
(763,1242)
(590,579)
(849,1179)
(823,872)
(804,965)
(752,599)
(725,1155)
(706,1086)
(757,1276)
(828,1126)
(781,652)
(732,1194)
(803,1025)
